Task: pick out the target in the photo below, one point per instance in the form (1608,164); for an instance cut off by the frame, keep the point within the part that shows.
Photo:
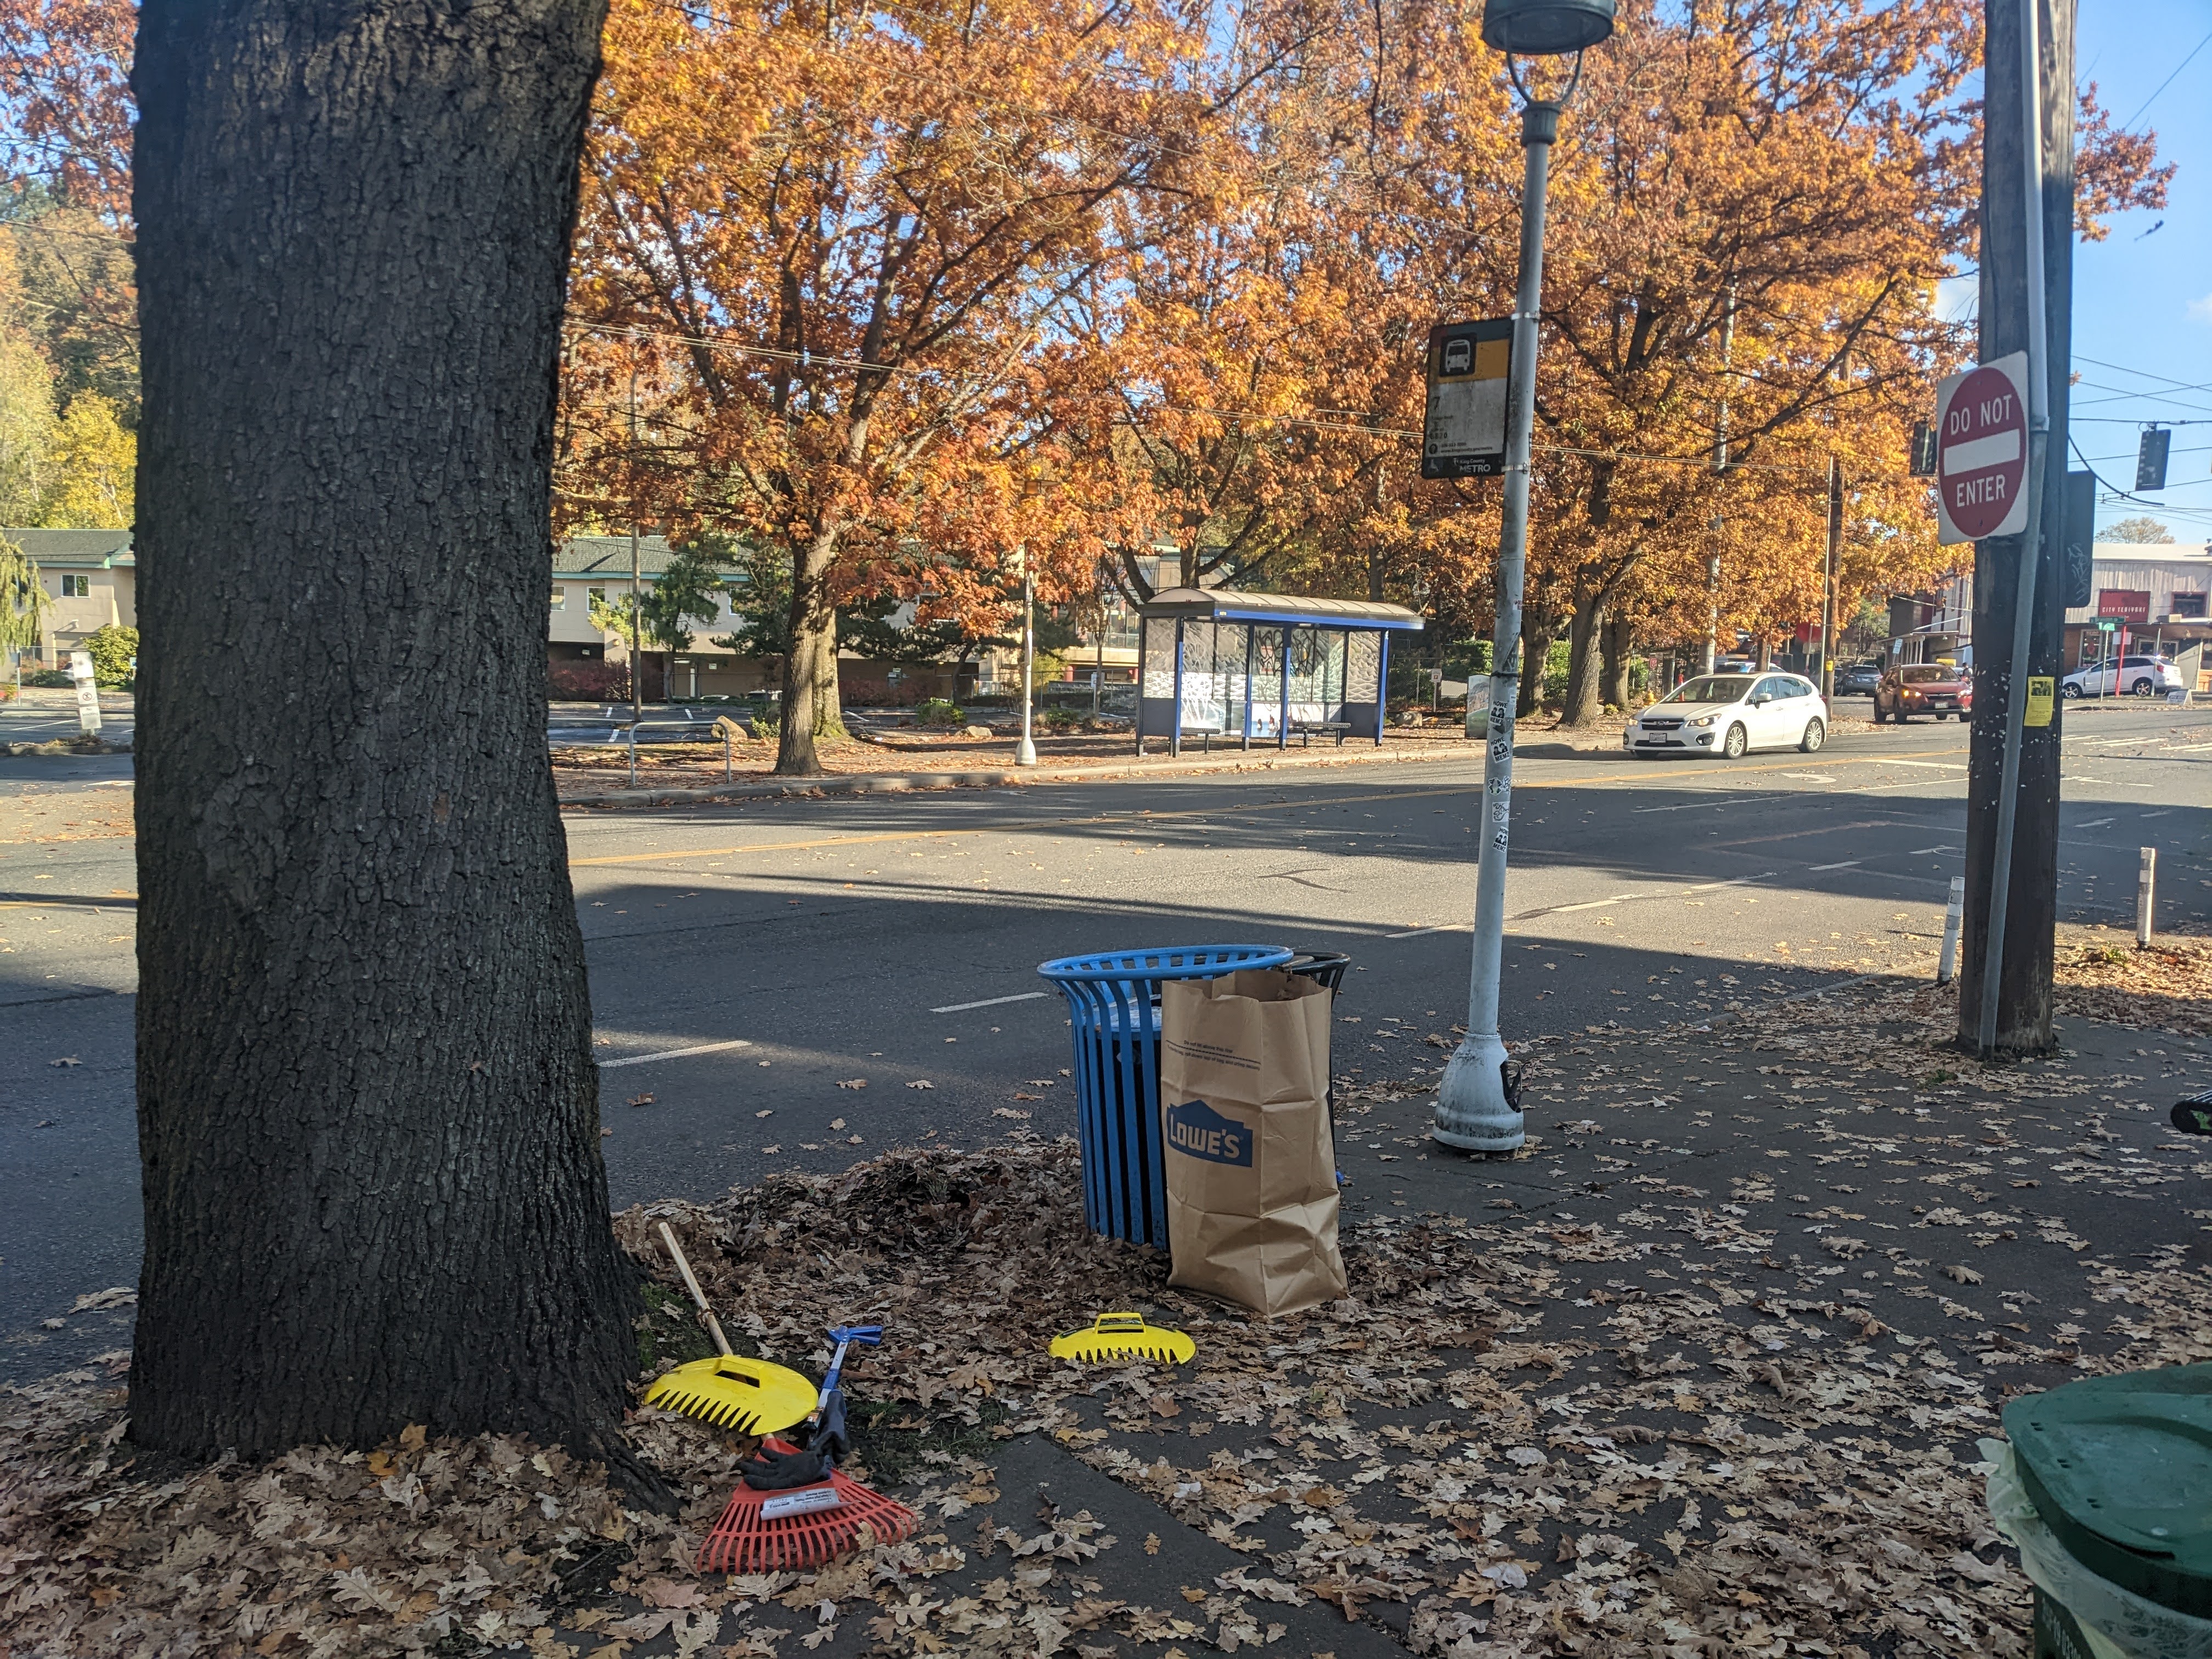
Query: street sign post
(1981,473)
(1463,428)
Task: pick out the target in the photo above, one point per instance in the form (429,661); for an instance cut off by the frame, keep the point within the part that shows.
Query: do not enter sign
(1981,452)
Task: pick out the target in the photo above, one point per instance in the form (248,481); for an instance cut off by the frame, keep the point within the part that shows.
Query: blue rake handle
(845,1336)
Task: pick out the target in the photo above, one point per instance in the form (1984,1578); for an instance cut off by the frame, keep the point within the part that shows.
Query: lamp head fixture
(1546,28)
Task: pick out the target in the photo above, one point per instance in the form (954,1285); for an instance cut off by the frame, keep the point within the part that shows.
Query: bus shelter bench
(1305,729)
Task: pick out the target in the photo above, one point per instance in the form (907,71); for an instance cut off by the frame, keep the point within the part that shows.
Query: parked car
(1729,715)
(1923,688)
(1858,679)
(2139,677)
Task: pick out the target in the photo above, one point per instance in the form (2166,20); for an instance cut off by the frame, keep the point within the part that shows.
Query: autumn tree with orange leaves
(850,236)
(1751,207)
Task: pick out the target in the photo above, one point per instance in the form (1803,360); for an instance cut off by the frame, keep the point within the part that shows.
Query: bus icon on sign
(1459,356)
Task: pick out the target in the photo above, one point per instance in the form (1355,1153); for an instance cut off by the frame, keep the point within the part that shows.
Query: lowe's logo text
(1196,1128)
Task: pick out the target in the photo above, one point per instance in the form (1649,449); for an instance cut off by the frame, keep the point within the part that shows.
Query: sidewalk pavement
(1701,1370)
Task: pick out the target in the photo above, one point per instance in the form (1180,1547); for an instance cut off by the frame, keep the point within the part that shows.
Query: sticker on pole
(1981,455)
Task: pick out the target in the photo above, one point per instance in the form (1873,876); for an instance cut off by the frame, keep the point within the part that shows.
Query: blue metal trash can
(1114,1017)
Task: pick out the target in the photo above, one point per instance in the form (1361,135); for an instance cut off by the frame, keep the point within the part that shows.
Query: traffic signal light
(2151,459)
(1924,450)
(2078,556)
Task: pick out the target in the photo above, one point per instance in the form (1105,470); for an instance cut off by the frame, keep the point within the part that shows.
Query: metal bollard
(1947,964)
(2146,896)
(727,735)
(633,756)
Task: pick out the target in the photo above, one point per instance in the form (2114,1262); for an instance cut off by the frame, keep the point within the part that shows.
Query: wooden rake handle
(691,1283)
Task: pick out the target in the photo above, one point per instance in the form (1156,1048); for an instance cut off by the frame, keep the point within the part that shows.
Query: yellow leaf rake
(750,1395)
(1124,1336)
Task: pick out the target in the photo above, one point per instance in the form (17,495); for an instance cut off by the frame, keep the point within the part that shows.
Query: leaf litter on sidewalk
(1634,1413)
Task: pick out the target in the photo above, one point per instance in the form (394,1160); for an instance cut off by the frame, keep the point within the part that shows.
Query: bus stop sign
(1981,468)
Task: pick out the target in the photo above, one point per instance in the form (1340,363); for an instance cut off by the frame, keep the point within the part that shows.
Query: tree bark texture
(2031,905)
(1584,631)
(812,705)
(368,1115)
(1617,649)
(1539,628)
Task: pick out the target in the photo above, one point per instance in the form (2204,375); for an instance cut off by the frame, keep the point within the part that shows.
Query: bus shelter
(1263,665)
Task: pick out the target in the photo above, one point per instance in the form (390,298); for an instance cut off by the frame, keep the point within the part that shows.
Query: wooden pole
(2029,912)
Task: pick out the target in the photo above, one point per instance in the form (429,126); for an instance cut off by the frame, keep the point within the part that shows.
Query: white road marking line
(1630,898)
(1918,851)
(1691,806)
(2167,813)
(2095,823)
(1810,777)
(989,1002)
(1441,927)
(1848,864)
(1933,766)
(1593,904)
(676,1053)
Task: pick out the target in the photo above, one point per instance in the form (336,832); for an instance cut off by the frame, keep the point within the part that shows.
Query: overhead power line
(2169,81)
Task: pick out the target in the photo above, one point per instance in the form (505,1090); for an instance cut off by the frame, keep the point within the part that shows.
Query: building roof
(52,549)
(609,556)
(2149,553)
(1222,604)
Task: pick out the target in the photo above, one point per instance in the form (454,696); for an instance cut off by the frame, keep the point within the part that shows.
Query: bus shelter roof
(1220,604)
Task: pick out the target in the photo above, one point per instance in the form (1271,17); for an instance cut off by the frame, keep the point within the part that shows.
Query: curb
(884,783)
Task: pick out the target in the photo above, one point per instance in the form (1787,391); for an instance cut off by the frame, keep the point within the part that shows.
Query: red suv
(1923,688)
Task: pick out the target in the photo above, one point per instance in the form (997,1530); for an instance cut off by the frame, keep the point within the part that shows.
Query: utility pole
(636,577)
(1720,466)
(2027,299)
(1828,580)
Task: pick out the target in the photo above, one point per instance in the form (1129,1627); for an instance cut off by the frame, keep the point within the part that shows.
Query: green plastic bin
(2120,1469)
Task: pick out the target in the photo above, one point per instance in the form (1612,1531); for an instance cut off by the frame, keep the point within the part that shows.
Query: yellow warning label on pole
(2041,689)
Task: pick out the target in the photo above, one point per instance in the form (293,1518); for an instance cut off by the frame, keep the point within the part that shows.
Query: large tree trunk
(1539,628)
(1617,649)
(1582,633)
(811,702)
(367,1111)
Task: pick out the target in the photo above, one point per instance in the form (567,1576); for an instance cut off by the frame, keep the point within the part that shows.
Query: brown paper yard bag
(1251,1168)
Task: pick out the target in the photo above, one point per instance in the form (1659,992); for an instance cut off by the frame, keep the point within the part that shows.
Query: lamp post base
(1472,1113)
(1026,753)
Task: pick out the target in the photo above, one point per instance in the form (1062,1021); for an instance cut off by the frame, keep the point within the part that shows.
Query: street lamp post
(1476,1102)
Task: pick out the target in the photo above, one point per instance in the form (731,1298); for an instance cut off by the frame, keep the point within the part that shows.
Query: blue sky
(2142,299)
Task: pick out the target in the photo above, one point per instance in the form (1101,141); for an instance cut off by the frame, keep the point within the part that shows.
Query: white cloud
(1957,298)
(2202,309)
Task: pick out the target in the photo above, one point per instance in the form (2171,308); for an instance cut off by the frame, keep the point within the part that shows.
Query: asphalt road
(751,963)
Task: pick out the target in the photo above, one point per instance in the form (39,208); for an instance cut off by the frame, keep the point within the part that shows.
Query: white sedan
(2139,677)
(1729,715)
